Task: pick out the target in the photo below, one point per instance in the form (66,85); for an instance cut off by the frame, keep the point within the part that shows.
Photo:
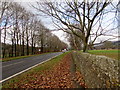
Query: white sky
(48,23)
(53,0)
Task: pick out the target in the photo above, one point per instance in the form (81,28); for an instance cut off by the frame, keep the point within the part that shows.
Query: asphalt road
(10,68)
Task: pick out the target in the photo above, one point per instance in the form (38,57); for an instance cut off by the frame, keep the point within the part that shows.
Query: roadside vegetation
(109,53)
(33,73)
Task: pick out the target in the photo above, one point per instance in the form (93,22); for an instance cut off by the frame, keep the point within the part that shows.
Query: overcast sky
(48,23)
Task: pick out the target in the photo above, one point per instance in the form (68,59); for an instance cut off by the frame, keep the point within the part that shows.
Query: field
(109,53)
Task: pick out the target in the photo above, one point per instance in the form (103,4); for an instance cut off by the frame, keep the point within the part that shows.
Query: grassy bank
(109,53)
(31,74)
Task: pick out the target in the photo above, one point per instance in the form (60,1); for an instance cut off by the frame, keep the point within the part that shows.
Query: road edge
(27,69)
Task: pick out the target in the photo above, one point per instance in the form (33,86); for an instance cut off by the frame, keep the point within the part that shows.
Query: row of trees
(108,45)
(23,33)
(75,42)
(86,20)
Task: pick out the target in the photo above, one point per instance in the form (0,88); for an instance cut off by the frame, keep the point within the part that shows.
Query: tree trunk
(85,48)
(15,48)
(12,47)
(20,46)
(22,54)
(32,47)
(4,50)
(9,54)
(27,46)
(42,45)
(17,45)
(5,39)
(4,45)
(41,48)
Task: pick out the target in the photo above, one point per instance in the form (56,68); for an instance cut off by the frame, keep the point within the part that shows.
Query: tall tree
(5,35)
(78,15)
(75,42)
(4,5)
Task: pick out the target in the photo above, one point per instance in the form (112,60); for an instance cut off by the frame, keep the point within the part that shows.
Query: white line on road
(27,69)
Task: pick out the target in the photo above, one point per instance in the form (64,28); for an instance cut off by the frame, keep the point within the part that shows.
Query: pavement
(10,68)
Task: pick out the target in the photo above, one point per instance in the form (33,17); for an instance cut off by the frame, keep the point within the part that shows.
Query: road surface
(10,68)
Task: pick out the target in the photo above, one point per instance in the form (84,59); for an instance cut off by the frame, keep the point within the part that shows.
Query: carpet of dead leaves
(58,77)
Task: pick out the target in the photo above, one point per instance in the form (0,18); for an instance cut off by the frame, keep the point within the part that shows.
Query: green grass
(109,53)
(20,57)
(29,75)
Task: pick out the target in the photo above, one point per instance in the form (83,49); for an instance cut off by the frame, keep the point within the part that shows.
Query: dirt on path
(59,77)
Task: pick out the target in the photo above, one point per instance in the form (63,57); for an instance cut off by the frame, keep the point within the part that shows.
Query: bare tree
(23,33)
(118,9)
(27,34)
(76,15)
(108,45)
(35,27)
(75,42)
(5,35)
(54,44)
(23,25)
(16,10)
(18,23)
(47,41)
(4,5)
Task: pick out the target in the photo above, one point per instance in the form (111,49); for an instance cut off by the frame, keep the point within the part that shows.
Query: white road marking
(27,69)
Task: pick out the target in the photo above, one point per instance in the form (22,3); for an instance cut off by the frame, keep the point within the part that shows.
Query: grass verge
(29,75)
(109,53)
